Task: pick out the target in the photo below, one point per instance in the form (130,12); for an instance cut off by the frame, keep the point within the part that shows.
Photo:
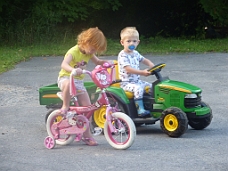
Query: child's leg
(64,85)
(137,89)
(84,100)
(144,84)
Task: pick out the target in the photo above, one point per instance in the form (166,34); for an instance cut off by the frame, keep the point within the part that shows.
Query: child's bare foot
(63,111)
(90,141)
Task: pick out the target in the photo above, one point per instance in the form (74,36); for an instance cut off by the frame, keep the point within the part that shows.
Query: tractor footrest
(150,120)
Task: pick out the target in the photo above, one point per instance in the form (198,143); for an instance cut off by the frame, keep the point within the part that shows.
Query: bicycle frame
(102,100)
(87,111)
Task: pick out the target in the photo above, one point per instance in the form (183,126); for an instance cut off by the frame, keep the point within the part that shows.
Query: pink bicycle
(63,129)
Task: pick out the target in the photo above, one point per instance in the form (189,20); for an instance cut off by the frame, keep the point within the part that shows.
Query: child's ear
(121,42)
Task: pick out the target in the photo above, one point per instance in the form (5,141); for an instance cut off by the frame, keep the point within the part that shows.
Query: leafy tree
(31,21)
(34,19)
(217,9)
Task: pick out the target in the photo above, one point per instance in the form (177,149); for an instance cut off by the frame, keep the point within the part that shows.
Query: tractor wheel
(99,114)
(48,113)
(58,118)
(201,123)
(99,117)
(174,122)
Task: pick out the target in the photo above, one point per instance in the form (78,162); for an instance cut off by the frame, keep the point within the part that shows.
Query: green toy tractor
(176,104)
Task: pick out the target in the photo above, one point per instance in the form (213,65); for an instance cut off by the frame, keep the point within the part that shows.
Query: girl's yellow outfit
(78,59)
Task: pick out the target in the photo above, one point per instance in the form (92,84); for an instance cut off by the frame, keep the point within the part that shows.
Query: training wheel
(49,142)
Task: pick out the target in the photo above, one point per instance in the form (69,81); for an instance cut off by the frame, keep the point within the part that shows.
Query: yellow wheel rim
(58,119)
(171,122)
(99,117)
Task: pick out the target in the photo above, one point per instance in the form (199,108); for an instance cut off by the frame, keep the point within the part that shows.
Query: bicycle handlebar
(100,76)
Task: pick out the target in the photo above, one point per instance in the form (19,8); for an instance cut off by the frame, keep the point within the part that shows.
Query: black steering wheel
(156,68)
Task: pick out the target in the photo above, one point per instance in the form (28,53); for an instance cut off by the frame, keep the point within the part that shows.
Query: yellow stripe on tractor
(50,96)
(175,88)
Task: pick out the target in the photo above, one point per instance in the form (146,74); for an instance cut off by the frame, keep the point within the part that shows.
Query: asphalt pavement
(22,125)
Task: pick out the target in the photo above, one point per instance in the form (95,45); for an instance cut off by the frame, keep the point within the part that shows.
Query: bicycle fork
(112,125)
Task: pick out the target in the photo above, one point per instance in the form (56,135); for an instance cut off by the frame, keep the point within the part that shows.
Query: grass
(12,55)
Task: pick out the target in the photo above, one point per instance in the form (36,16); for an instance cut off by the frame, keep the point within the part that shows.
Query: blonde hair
(128,32)
(93,37)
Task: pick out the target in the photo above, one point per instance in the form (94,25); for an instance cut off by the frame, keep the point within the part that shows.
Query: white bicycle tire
(131,127)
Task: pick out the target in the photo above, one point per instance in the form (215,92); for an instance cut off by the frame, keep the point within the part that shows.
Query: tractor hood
(179,86)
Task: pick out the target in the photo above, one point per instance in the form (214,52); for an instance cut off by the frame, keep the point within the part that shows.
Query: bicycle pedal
(78,137)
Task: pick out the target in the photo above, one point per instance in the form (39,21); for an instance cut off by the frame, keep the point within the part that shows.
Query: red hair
(93,37)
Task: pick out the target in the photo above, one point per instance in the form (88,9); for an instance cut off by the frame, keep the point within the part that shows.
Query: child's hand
(77,71)
(145,72)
